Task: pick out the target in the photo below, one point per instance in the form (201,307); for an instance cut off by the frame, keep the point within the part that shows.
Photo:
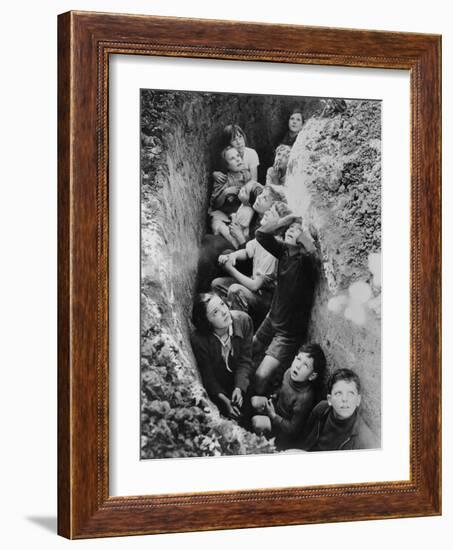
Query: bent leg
(261,425)
(221,285)
(241,298)
(269,365)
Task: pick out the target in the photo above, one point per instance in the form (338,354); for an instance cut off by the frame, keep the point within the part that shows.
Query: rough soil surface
(179,138)
(334,182)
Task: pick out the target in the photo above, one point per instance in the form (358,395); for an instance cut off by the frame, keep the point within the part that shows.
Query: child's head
(309,364)
(254,193)
(232,159)
(279,209)
(234,135)
(296,120)
(210,312)
(266,200)
(343,392)
(281,158)
(293,232)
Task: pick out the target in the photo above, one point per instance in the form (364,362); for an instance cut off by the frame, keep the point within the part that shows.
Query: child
(234,135)
(336,424)
(224,199)
(244,214)
(276,174)
(222,345)
(250,294)
(294,401)
(285,326)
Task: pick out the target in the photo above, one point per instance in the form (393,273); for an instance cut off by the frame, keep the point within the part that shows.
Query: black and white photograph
(260,274)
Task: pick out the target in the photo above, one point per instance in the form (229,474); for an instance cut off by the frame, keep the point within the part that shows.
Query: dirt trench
(179,138)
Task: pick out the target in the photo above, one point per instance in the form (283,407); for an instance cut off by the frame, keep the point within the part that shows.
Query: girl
(234,136)
(225,200)
(276,174)
(222,345)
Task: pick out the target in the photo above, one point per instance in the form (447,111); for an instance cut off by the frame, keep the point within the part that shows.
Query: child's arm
(219,193)
(244,365)
(307,242)
(233,257)
(219,177)
(270,243)
(252,283)
(253,164)
(293,426)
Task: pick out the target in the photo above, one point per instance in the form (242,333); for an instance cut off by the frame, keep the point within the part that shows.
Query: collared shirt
(226,346)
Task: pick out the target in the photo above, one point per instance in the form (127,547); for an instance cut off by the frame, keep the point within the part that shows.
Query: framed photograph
(249,275)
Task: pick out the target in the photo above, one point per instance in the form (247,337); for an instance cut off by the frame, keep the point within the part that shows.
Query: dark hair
(276,196)
(230,132)
(282,208)
(200,305)
(319,359)
(223,153)
(347,375)
(254,192)
(299,111)
(280,147)
(319,366)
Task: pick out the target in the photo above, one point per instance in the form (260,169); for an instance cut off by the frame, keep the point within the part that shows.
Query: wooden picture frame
(85,41)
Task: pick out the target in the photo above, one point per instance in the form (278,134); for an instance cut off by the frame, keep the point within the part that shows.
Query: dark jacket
(296,279)
(358,436)
(207,349)
(293,406)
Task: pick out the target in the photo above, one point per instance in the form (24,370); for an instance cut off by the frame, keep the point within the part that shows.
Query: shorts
(280,345)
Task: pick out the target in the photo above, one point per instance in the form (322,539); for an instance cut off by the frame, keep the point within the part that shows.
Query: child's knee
(257,346)
(261,424)
(236,291)
(258,403)
(261,380)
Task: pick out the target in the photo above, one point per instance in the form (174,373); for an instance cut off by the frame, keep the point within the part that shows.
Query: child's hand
(236,398)
(219,177)
(270,410)
(244,195)
(223,259)
(229,265)
(237,233)
(227,407)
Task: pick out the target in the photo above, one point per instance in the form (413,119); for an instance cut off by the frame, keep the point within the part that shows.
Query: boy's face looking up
(293,233)
(281,158)
(263,202)
(301,368)
(270,214)
(344,398)
(234,160)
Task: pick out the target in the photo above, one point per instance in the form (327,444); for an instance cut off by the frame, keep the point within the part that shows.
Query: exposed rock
(334,182)
(179,137)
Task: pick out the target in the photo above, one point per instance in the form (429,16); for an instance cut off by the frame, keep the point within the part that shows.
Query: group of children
(251,330)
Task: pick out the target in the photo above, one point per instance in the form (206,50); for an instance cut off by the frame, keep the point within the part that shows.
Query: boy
(276,174)
(250,294)
(285,326)
(336,424)
(294,401)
